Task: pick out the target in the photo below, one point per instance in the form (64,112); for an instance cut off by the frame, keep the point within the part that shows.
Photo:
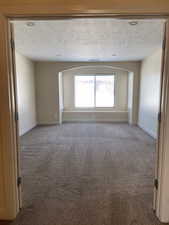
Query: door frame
(8,139)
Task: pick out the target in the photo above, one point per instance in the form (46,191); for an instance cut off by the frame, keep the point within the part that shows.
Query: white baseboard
(48,123)
(93,121)
(27,130)
(148,131)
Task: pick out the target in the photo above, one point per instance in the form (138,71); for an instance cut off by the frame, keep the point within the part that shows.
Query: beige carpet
(87,174)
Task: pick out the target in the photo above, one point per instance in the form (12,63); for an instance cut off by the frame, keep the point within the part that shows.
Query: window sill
(95,111)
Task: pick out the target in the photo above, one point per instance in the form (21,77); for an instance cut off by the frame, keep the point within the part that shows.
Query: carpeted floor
(87,174)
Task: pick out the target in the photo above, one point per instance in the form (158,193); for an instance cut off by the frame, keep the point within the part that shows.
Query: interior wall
(47,86)
(61,106)
(130,97)
(25,73)
(150,93)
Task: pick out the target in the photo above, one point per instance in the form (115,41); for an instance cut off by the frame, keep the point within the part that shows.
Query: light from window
(94,91)
(84,91)
(104,91)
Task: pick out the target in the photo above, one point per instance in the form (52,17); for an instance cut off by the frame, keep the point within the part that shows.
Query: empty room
(88,96)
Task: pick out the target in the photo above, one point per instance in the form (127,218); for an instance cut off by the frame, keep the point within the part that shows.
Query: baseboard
(149,132)
(25,132)
(48,123)
(41,124)
(95,121)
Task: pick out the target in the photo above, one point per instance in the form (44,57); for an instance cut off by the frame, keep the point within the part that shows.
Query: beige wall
(26,93)
(130,98)
(150,93)
(47,86)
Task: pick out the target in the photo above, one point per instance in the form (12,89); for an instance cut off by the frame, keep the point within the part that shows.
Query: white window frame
(95,75)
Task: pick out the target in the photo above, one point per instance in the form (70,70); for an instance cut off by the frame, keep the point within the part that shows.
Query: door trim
(8,126)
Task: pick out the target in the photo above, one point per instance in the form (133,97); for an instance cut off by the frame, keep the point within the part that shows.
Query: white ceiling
(88,39)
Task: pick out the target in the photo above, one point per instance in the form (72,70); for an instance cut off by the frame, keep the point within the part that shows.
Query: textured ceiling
(88,39)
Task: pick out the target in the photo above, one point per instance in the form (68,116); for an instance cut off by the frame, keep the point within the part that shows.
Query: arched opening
(124,109)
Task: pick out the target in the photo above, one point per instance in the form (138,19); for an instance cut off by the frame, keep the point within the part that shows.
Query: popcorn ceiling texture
(83,40)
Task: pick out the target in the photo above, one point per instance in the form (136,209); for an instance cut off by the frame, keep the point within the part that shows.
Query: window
(84,91)
(94,91)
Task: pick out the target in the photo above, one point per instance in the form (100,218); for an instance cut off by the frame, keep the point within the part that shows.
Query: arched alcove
(122,112)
